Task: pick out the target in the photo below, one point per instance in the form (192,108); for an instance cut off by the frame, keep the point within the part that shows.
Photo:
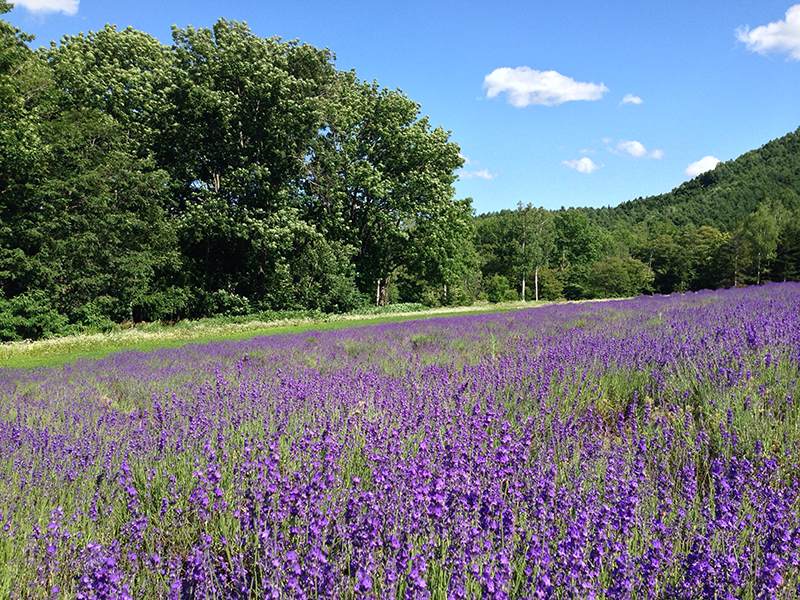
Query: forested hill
(723,197)
(738,224)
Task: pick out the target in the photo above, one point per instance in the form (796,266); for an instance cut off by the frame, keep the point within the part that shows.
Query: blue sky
(556,103)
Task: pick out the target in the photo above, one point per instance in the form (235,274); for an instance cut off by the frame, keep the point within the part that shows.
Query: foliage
(229,173)
(222,175)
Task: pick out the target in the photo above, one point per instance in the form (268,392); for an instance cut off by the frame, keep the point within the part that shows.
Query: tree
(761,234)
(668,262)
(440,258)
(125,74)
(535,242)
(786,266)
(380,181)
(496,243)
(24,78)
(736,258)
(703,246)
(243,113)
(92,230)
(578,244)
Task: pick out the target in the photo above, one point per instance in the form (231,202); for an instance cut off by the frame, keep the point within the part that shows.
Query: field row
(645,448)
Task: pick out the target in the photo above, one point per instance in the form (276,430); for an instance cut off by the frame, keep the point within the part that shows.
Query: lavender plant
(644,448)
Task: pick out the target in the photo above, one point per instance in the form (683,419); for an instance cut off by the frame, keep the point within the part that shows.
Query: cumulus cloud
(482,174)
(524,86)
(707,163)
(635,149)
(68,7)
(780,36)
(581,165)
(631,99)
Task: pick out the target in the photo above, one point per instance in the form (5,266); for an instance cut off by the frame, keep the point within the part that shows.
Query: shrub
(497,288)
(30,316)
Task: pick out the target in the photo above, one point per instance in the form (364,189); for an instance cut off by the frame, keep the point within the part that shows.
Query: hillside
(724,197)
(736,225)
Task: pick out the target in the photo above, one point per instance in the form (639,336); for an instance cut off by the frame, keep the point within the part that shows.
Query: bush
(30,316)
(226,304)
(497,288)
(92,317)
(550,286)
(616,277)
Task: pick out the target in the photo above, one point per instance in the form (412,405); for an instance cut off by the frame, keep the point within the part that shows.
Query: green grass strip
(148,337)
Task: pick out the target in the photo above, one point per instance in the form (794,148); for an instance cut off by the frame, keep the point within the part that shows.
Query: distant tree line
(228,174)
(736,225)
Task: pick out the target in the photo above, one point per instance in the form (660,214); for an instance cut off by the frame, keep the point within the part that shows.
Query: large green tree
(578,244)
(380,181)
(243,113)
(126,74)
(91,230)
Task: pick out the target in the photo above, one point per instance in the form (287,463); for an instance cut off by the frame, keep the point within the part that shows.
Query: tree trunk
(523,285)
(758,276)
(378,294)
(536,282)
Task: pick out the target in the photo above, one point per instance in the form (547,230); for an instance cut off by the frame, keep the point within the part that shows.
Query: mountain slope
(723,197)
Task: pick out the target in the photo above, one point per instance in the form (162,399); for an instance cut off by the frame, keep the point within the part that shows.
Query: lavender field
(644,448)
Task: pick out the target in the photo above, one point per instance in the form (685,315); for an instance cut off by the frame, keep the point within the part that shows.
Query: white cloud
(633,148)
(631,99)
(524,86)
(581,165)
(780,36)
(587,151)
(69,7)
(607,140)
(467,161)
(707,163)
(482,174)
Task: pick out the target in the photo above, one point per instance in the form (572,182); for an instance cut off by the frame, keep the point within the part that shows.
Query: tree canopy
(225,173)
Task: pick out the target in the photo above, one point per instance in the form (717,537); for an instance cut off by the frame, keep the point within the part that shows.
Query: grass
(145,337)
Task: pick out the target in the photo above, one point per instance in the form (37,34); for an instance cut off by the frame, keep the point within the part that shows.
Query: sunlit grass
(145,337)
